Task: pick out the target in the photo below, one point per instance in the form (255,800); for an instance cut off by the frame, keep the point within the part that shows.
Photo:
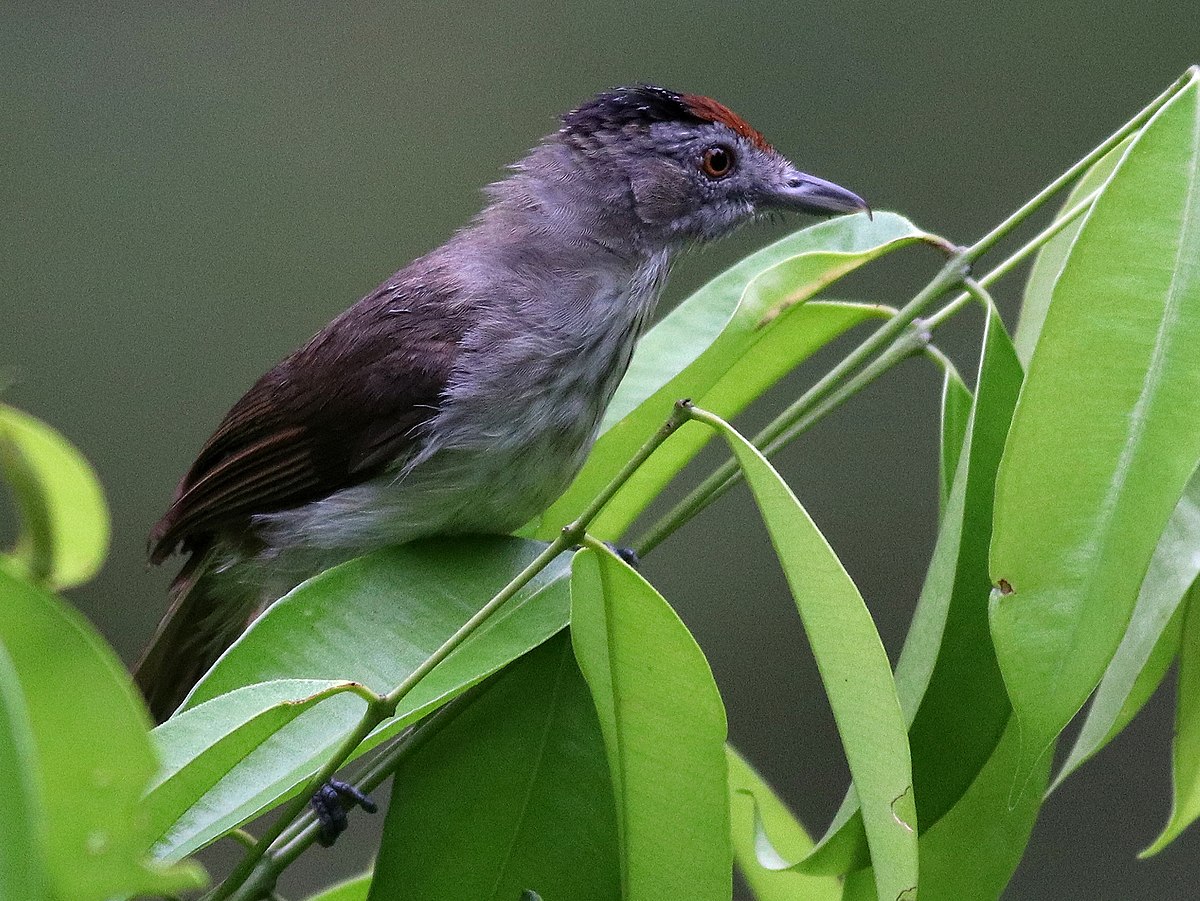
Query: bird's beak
(809,194)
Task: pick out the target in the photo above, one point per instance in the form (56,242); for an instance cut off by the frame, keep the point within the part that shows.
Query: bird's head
(694,168)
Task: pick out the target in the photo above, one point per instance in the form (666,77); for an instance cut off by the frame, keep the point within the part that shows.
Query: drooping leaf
(373,621)
(513,794)
(723,347)
(93,756)
(1048,264)
(1185,761)
(64,535)
(1106,432)
(854,670)
(200,746)
(779,350)
(22,860)
(755,808)
(664,733)
(947,679)
(956,410)
(1153,636)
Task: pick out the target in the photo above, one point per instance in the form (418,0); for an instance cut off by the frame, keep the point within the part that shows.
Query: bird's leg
(331,803)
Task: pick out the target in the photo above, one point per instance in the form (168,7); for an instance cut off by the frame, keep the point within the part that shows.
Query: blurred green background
(189,192)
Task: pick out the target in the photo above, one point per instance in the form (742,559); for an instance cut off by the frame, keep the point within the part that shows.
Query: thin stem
(291,846)
(949,275)
(244,837)
(978,292)
(808,403)
(385,707)
(371,718)
(935,355)
(914,341)
(961,260)
(1016,258)
(797,419)
(984,244)
(728,474)
(596,544)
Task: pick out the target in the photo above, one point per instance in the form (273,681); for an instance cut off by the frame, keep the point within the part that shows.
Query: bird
(463,394)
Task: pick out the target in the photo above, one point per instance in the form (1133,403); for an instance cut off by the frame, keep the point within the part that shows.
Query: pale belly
(504,446)
(514,465)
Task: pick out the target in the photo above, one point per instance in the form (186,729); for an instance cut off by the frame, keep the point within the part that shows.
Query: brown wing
(334,413)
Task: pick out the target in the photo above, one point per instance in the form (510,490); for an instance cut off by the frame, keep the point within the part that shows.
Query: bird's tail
(205,618)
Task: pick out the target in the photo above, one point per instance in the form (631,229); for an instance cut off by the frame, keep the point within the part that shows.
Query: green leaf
(974,849)
(1048,264)
(723,347)
(513,794)
(854,669)
(754,808)
(1185,769)
(947,679)
(1153,636)
(355,889)
(860,886)
(1106,432)
(664,732)
(93,755)
(947,672)
(200,746)
(372,621)
(956,411)
(65,520)
(22,860)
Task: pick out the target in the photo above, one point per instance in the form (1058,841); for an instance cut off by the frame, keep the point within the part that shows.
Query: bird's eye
(717,162)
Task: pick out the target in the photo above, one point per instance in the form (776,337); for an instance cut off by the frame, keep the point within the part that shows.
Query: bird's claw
(332,802)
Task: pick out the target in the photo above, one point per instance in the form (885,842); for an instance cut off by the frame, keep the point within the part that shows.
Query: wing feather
(336,412)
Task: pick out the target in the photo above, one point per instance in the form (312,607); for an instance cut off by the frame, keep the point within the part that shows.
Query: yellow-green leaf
(1185,769)
(65,526)
(93,753)
(854,669)
(664,732)
(754,809)
(1106,432)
